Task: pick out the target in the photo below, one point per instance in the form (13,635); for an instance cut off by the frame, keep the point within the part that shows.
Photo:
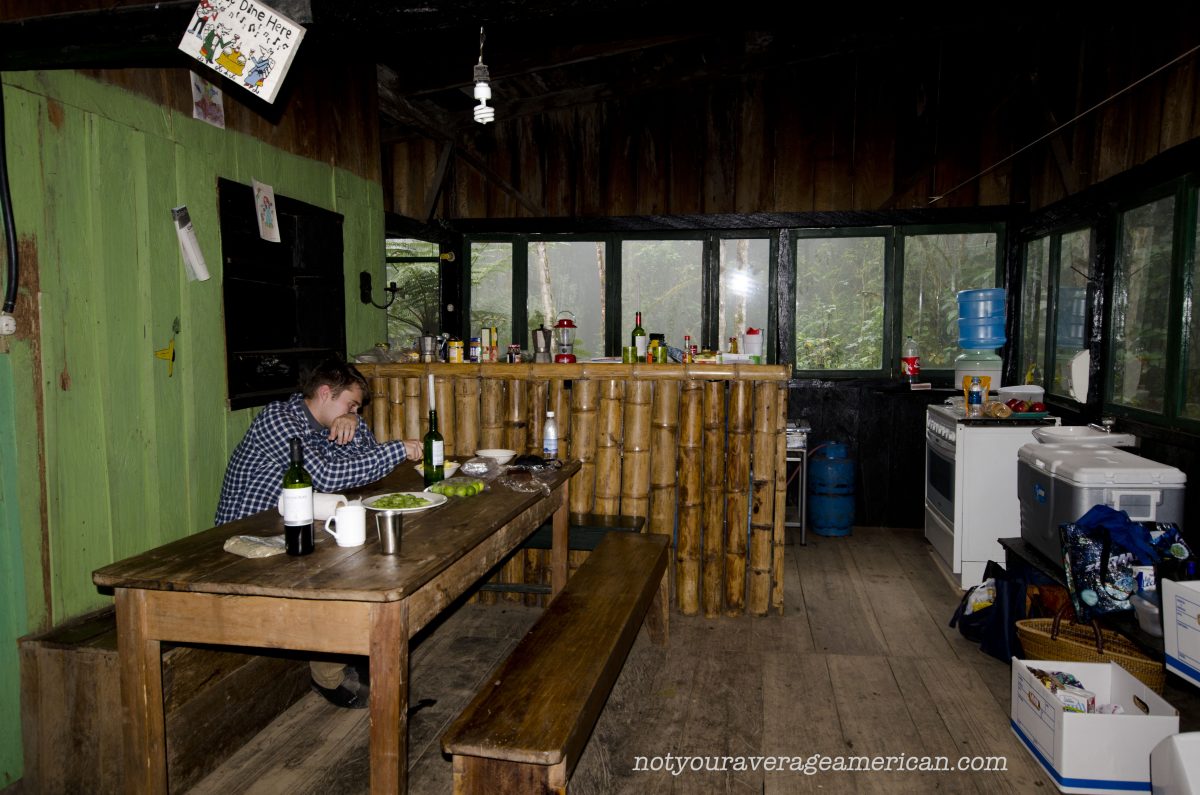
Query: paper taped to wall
(189,247)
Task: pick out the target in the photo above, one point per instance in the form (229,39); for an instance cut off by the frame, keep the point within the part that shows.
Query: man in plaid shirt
(339,453)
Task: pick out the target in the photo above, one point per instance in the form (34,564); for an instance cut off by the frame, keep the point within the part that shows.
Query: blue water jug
(981,319)
(831,491)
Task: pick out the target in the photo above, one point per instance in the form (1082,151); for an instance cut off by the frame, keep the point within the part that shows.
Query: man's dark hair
(337,374)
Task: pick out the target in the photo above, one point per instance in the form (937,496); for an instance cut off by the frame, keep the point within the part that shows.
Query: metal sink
(1082,435)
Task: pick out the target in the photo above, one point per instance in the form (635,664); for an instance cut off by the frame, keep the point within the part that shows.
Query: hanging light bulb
(483,92)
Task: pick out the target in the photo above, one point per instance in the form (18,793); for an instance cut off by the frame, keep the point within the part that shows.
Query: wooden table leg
(389,697)
(559,545)
(141,694)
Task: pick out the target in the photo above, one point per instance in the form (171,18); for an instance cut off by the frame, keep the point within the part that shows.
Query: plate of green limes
(457,487)
(404,501)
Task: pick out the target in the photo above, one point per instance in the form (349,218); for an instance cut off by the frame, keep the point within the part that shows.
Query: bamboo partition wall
(696,449)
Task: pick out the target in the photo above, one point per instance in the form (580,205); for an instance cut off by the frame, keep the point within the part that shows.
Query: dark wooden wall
(885,127)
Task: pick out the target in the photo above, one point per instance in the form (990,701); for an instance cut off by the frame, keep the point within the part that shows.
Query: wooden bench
(214,701)
(585,531)
(524,732)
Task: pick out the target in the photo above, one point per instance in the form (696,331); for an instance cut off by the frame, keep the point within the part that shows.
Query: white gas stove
(971,486)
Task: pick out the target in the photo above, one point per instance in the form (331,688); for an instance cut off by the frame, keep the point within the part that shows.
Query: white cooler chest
(1059,483)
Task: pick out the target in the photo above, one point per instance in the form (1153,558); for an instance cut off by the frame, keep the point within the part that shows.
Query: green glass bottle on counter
(639,339)
(434,467)
(297,504)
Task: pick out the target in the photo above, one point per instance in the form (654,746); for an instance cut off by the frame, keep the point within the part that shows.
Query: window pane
(662,278)
(936,268)
(839,303)
(1033,310)
(411,247)
(569,276)
(1140,305)
(1070,308)
(491,290)
(415,310)
(745,264)
(1191,384)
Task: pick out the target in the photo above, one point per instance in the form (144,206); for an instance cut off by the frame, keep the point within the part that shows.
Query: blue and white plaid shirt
(254,476)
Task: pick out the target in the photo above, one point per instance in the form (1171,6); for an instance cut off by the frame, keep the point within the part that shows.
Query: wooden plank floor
(861,664)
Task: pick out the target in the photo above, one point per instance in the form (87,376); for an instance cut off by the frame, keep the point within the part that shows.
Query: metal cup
(388,524)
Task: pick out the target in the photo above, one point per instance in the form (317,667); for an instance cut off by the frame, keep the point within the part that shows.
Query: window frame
(1053,268)
(897,293)
(888,234)
(1183,190)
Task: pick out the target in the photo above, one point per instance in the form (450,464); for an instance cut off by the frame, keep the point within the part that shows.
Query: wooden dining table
(338,600)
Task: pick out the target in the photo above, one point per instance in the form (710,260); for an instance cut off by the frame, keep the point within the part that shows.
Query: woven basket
(1047,639)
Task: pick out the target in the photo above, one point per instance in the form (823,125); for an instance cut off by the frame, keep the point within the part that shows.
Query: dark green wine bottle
(435,452)
(297,504)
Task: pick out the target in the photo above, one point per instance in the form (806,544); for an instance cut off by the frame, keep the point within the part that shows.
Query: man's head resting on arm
(333,388)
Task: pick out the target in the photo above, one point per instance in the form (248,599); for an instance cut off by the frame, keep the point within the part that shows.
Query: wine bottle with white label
(435,452)
(638,338)
(297,504)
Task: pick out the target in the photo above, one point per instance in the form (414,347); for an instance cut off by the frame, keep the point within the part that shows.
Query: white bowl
(499,456)
(1031,393)
(451,468)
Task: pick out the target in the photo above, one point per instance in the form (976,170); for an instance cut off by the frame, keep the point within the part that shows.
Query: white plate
(434,501)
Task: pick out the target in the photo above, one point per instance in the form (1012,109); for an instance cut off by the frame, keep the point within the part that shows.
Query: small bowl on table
(450,466)
(497,455)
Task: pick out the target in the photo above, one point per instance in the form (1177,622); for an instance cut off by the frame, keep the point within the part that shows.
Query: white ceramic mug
(348,526)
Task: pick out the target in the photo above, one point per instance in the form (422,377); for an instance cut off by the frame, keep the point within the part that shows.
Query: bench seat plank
(540,705)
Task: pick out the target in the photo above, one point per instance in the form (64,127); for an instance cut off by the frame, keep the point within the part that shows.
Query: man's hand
(413,450)
(343,428)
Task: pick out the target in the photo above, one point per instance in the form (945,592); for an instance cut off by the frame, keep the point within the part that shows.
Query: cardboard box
(1181,628)
(1090,753)
(1175,764)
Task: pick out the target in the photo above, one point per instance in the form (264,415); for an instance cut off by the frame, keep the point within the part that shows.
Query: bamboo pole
(412,408)
(379,410)
(713,510)
(585,402)
(608,449)
(762,502)
(536,421)
(635,463)
(515,428)
(687,552)
(779,539)
(536,564)
(491,414)
(664,423)
(444,389)
(737,497)
(559,400)
(396,408)
(466,415)
(516,409)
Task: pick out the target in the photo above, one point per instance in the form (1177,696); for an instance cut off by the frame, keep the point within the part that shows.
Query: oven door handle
(943,447)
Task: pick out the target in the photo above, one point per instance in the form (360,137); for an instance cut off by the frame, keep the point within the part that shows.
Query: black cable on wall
(10,227)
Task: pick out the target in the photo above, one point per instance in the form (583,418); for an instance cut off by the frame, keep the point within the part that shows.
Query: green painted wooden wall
(132,458)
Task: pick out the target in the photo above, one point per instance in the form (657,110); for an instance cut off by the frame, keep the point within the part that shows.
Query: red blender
(564,338)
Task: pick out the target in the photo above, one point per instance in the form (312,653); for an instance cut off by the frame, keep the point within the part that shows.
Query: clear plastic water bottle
(975,398)
(550,437)
(910,361)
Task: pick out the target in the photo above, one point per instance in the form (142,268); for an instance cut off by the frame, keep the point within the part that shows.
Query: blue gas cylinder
(831,491)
